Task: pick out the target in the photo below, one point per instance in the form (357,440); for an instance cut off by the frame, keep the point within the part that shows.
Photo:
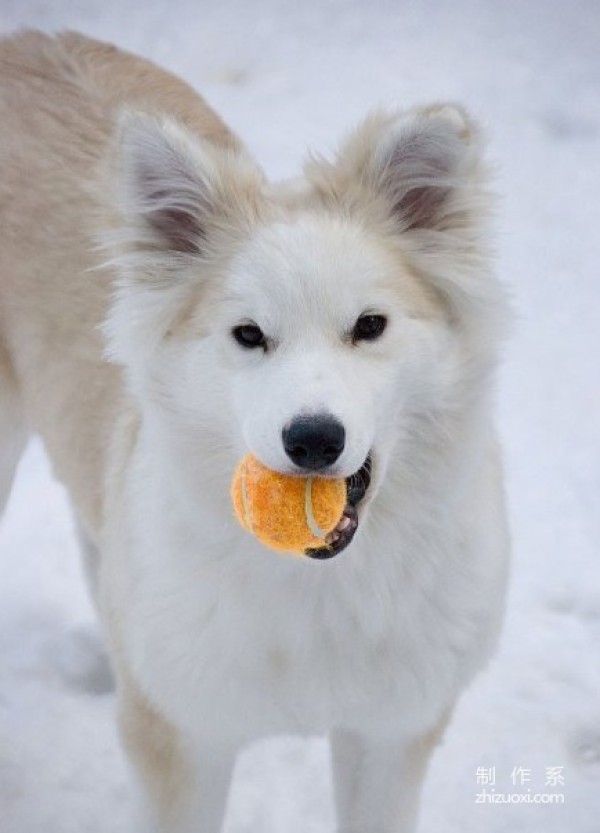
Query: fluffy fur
(135,233)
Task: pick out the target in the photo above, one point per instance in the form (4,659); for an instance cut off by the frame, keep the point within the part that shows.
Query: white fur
(233,642)
(216,640)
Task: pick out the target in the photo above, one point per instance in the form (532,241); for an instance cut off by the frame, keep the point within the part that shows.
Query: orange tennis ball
(286,512)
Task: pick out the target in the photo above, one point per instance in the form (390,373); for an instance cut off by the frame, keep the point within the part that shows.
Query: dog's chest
(252,654)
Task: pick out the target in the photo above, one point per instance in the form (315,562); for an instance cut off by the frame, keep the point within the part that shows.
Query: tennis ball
(283,511)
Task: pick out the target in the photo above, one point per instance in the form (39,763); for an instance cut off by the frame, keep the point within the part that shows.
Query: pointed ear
(417,167)
(180,202)
(175,189)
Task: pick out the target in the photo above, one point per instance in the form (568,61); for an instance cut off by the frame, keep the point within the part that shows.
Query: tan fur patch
(59,98)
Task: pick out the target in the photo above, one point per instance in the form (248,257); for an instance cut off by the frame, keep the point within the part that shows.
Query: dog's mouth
(339,538)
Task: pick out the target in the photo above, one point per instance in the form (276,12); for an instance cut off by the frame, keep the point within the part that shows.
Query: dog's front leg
(183,786)
(378,782)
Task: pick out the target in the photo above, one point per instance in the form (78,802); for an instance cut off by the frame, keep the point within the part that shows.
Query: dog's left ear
(419,168)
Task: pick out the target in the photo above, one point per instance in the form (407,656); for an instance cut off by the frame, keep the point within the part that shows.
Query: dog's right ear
(176,190)
(180,202)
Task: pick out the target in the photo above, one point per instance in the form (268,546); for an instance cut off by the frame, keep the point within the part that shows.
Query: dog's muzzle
(339,538)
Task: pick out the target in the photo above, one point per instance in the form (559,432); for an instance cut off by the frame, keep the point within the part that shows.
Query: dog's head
(318,324)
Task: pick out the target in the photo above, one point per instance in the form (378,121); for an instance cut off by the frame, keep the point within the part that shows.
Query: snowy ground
(287,74)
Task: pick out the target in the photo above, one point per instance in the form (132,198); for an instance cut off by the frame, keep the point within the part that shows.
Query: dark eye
(249,335)
(368,327)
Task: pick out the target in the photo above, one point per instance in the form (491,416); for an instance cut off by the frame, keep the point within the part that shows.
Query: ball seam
(308,510)
(246,499)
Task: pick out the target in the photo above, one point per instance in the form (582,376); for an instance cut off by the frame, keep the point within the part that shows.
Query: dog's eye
(249,335)
(369,327)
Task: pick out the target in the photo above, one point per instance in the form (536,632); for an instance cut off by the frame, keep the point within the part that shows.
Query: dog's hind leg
(13,428)
(90,559)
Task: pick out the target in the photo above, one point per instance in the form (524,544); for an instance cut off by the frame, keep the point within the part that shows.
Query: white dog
(163,311)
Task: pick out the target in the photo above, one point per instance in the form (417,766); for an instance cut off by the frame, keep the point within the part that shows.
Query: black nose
(314,442)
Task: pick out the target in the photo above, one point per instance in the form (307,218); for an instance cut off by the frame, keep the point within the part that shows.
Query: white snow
(286,75)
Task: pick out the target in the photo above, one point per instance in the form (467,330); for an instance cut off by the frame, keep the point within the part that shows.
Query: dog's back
(59,99)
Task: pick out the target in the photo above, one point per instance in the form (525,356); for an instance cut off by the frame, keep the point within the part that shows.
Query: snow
(286,75)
